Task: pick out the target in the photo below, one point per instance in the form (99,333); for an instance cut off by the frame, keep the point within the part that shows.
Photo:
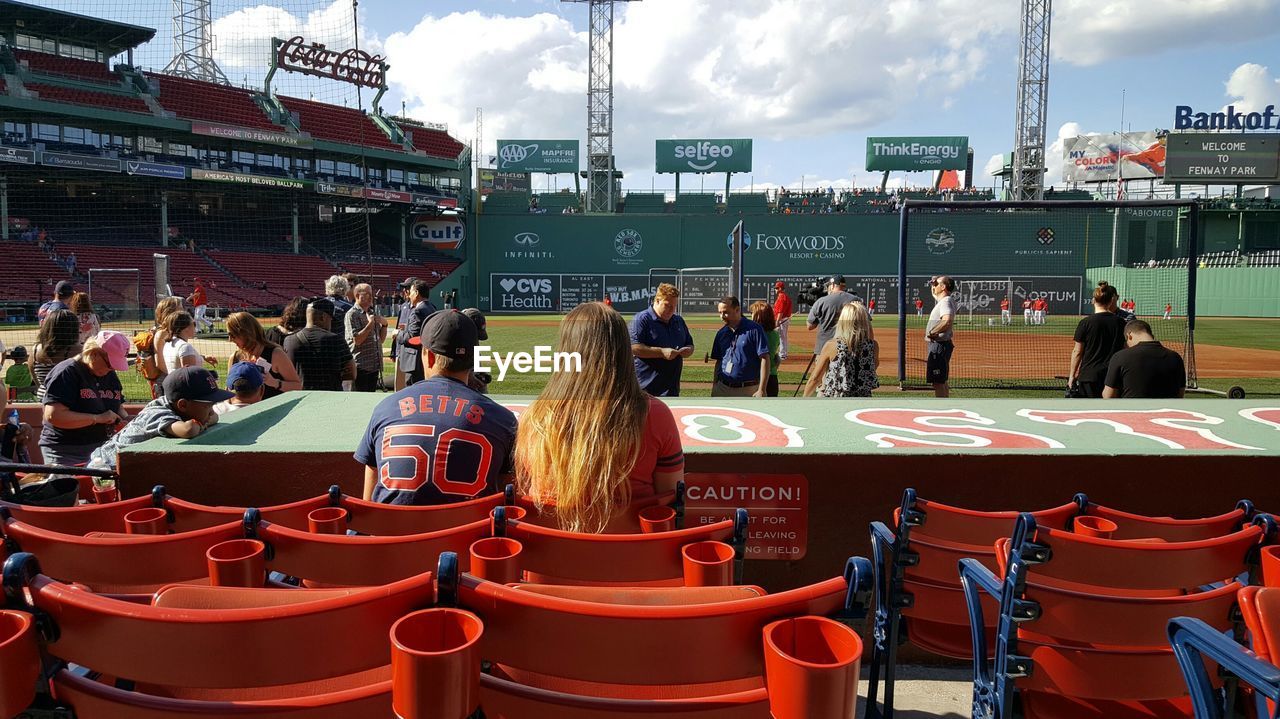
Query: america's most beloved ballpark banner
(1092,158)
(703,156)
(917,154)
(538,156)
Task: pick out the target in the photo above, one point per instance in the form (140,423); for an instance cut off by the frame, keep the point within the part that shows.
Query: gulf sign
(439,234)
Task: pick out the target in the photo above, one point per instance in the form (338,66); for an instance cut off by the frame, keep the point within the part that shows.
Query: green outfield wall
(1220,291)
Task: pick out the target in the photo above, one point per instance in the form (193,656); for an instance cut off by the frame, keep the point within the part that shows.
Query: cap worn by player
(477,317)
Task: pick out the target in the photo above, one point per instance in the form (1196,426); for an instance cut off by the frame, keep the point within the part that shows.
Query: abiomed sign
(703,156)
(917,154)
(552,156)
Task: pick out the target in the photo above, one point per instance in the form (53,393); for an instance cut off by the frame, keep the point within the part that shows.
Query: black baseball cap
(408,282)
(478,318)
(64,289)
(449,333)
(322,304)
(836,280)
(194,383)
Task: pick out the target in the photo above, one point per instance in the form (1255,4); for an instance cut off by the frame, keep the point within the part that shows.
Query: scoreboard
(1209,158)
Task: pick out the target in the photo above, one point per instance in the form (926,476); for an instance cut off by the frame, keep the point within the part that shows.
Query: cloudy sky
(808,80)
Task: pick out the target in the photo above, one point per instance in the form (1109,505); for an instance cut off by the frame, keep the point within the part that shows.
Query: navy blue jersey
(436,442)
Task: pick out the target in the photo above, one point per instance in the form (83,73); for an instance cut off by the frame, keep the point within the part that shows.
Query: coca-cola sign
(354,66)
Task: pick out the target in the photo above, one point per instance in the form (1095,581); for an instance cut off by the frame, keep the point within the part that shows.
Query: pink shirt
(660,450)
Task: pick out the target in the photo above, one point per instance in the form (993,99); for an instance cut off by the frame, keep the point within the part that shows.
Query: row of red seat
(591,648)
(195,100)
(1065,609)
(79,96)
(67,66)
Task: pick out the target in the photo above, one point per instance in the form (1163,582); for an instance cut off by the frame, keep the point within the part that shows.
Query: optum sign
(916,154)
(703,156)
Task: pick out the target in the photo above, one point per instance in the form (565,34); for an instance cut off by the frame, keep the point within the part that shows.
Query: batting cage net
(1024,278)
(116,294)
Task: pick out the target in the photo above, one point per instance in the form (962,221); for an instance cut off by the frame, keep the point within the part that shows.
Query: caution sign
(778,505)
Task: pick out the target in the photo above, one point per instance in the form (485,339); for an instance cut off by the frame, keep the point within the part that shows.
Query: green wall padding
(1220,291)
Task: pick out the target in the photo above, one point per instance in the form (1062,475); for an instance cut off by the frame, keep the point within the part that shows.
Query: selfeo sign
(1186,118)
(703,156)
(917,153)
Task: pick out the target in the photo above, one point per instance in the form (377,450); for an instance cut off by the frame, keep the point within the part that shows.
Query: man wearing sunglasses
(938,334)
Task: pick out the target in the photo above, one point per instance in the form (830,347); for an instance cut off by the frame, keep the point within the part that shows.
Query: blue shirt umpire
(741,351)
(660,341)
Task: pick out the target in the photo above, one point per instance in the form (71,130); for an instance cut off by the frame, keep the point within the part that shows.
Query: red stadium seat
(1137,526)
(638,659)
(918,592)
(1082,619)
(311,652)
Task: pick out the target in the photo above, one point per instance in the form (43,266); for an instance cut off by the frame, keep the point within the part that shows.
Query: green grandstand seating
(644,202)
(1068,195)
(507,203)
(696,203)
(554,202)
(748,202)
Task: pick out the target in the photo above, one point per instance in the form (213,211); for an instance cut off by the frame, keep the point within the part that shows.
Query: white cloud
(1053,159)
(994,165)
(754,68)
(1252,88)
(1089,32)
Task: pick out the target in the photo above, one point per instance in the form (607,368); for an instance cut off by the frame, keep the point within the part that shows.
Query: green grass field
(522,333)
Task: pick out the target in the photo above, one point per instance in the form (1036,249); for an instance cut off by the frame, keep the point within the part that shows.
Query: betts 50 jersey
(436,442)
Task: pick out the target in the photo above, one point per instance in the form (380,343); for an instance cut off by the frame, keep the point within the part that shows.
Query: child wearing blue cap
(245,379)
(185,411)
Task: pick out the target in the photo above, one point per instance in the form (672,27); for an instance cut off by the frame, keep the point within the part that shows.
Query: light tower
(193,43)
(600,194)
(1033,101)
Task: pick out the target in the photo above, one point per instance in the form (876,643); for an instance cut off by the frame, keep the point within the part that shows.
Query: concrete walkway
(926,692)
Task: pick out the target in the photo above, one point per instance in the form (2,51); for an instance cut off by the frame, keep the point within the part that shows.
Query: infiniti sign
(528,239)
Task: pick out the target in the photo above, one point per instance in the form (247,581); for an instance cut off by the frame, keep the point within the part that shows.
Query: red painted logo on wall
(777,504)
(733,427)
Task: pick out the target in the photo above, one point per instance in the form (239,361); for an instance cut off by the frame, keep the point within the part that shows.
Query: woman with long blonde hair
(846,366)
(278,373)
(593,440)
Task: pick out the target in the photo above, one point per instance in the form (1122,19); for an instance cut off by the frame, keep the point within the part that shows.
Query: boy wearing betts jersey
(438,441)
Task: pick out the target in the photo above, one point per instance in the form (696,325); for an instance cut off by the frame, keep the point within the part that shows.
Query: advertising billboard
(1092,158)
(703,156)
(538,156)
(917,154)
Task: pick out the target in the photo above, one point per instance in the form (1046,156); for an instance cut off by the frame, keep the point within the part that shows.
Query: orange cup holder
(496,559)
(707,564)
(148,520)
(327,520)
(1090,526)
(20,657)
(237,563)
(811,668)
(657,519)
(435,664)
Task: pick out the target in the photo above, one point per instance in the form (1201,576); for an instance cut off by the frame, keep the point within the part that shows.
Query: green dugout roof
(111,37)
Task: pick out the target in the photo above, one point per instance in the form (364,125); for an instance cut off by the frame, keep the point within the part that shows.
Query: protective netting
(1025,276)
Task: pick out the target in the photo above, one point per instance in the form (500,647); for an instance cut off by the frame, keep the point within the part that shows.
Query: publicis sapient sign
(916,154)
(538,156)
(703,156)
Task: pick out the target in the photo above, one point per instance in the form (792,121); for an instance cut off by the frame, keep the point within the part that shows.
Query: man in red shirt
(608,301)
(919,307)
(871,308)
(1168,311)
(782,311)
(1040,306)
(1026,311)
(200,301)
(1005,317)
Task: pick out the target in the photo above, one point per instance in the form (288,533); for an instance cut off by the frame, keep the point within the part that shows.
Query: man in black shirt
(1146,370)
(321,357)
(409,360)
(1097,338)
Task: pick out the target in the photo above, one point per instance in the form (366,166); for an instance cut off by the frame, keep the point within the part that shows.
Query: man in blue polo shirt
(660,340)
(741,352)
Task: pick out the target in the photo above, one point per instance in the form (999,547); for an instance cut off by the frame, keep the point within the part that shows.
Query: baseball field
(1229,352)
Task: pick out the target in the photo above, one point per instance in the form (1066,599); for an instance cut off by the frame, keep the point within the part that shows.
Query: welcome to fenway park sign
(354,66)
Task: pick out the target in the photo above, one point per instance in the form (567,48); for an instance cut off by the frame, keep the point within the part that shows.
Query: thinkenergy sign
(915,154)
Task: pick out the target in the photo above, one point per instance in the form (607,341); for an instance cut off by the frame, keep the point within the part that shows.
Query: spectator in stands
(83,309)
(826,311)
(762,314)
(322,358)
(741,352)
(184,411)
(62,293)
(337,288)
(660,341)
(71,263)
(245,380)
(84,400)
(1098,338)
(593,440)
(253,347)
(846,365)
(1146,369)
(409,360)
(178,350)
(57,340)
(292,319)
(479,465)
(199,299)
(18,377)
(364,330)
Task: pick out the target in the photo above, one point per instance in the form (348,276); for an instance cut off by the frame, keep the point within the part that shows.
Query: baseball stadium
(254,463)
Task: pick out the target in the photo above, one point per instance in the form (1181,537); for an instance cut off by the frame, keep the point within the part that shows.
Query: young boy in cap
(185,411)
(245,379)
